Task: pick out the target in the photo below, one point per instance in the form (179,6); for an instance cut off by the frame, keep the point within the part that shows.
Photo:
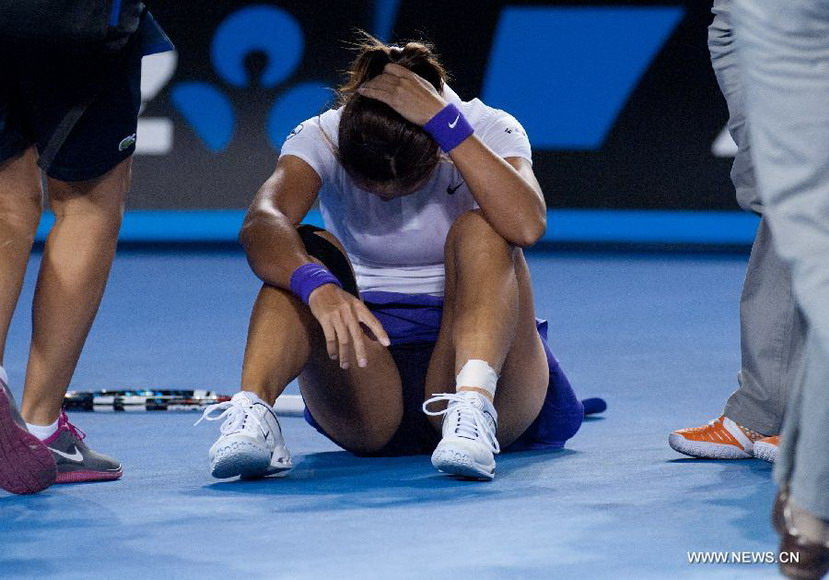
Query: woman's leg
(26,465)
(73,274)
(489,316)
(359,408)
(20,209)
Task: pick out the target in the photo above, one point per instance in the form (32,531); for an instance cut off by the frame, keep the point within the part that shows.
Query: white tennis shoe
(469,444)
(251,444)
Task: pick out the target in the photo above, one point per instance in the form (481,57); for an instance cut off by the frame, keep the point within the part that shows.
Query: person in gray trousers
(772,329)
(783,47)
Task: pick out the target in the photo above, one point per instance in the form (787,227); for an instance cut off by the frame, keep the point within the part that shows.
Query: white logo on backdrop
(155,134)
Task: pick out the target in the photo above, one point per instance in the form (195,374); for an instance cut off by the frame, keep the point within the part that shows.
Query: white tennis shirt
(397,245)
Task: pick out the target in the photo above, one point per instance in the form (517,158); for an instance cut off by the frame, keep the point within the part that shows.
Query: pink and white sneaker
(76,462)
(26,465)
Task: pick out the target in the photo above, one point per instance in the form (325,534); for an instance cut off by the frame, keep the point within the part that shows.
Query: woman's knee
(471,232)
(100,203)
(367,441)
(97,219)
(359,434)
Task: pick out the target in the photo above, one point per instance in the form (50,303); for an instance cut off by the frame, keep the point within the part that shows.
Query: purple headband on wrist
(449,127)
(308,278)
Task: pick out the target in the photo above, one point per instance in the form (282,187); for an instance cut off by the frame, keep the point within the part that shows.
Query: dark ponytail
(376,144)
(418,57)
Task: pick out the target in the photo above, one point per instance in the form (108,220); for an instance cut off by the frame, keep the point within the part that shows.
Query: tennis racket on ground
(196,400)
(141,400)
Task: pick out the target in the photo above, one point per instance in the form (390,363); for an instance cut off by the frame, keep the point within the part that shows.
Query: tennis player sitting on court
(418,290)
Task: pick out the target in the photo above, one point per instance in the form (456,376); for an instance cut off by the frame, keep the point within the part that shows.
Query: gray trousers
(772,330)
(783,47)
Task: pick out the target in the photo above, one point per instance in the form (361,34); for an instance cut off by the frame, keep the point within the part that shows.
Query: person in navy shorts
(85,179)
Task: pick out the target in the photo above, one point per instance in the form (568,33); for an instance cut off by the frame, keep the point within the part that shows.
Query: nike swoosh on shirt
(451,190)
(455,122)
(77,457)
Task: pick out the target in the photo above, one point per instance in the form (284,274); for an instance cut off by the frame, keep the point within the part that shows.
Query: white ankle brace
(477,373)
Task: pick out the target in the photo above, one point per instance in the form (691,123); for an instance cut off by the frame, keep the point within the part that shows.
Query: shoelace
(471,420)
(76,431)
(234,412)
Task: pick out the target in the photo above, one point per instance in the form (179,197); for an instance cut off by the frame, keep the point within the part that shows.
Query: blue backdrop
(618,99)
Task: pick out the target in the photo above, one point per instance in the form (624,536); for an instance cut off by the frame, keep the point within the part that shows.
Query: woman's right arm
(269,237)
(274,250)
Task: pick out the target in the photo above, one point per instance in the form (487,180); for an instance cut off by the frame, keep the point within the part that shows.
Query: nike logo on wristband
(455,122)
(77,456)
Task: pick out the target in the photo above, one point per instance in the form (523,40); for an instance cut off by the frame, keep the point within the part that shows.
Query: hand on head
(414,98)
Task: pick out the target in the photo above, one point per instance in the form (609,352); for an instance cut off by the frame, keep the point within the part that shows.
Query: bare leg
(76,262)
(278,344)
(360,408)
(20,209)
(489,315)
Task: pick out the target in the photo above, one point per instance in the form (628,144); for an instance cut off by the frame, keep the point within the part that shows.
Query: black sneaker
(76,462)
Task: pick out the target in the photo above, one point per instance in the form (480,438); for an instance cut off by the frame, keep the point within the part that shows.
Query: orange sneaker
(766,448)
(722,438)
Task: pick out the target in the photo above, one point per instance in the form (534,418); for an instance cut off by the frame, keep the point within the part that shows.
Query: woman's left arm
(506,189)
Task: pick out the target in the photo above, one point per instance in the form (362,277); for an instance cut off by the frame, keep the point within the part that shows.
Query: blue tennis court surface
(654,334)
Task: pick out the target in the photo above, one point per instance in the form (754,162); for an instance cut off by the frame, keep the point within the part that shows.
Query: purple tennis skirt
(412,322)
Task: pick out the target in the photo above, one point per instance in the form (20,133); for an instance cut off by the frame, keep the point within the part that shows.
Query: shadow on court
(338,480)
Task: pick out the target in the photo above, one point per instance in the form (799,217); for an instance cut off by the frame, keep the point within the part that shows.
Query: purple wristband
(308,278)
(449,127)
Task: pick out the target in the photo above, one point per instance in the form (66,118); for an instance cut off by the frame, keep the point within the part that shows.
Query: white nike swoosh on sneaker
(77,457)
(455,122)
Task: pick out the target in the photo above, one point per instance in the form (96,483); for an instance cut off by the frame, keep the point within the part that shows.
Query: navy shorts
(37,91)
(412,322)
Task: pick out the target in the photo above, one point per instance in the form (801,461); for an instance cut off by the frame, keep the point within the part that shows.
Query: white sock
(3,376)
(42,432)
(477,373)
